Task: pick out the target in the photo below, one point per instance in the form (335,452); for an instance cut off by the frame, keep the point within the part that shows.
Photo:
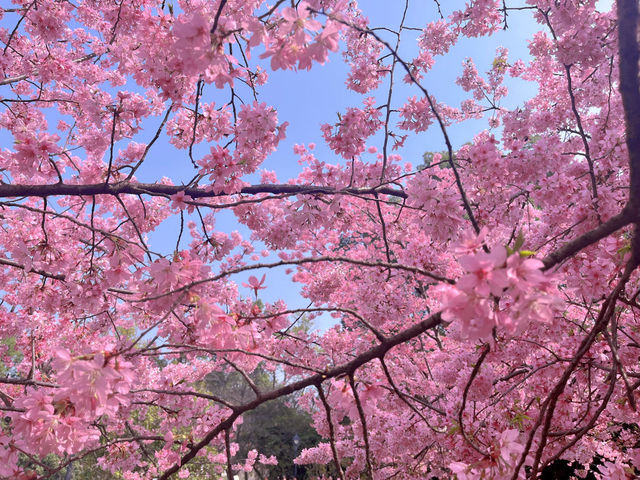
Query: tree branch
(155,189)
(630,89)
(615,223)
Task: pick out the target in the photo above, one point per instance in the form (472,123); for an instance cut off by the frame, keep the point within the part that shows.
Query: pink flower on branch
(485,272)
(491,276)
(90,282)
(193,42)
(255,285)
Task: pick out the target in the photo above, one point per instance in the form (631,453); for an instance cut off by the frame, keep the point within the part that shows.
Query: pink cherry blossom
(485,273)
(255,284)
(452,249)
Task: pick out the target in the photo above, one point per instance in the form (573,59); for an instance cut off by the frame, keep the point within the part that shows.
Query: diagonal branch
(346,369)
(363,422)
(615,223)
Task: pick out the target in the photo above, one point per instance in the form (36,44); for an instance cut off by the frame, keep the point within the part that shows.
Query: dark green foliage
(270,428)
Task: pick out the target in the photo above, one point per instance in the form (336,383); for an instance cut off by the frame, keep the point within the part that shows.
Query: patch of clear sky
(307,99)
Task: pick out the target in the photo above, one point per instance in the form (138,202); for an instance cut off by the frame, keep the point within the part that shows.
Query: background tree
(271,427)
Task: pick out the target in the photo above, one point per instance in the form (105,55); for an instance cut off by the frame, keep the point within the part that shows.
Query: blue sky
(308,99)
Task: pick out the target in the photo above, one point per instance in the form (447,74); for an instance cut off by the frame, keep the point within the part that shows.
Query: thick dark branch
(623,219)
(630,89)
(155,189)
(217,19)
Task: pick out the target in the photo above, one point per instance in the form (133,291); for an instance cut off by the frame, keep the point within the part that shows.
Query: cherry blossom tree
(486,304)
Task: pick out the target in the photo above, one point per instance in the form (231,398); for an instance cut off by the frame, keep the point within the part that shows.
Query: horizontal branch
(11,263)
(224,274)
(19,78)
(302,261)
(26,381)
(155,189)
(57,276)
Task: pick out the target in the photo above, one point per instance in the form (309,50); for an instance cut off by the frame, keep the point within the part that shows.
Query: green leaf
(519,241)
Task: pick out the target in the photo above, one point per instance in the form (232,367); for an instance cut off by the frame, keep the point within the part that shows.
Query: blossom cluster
(347,138)
(374,238)
(498,290)
(90,386)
